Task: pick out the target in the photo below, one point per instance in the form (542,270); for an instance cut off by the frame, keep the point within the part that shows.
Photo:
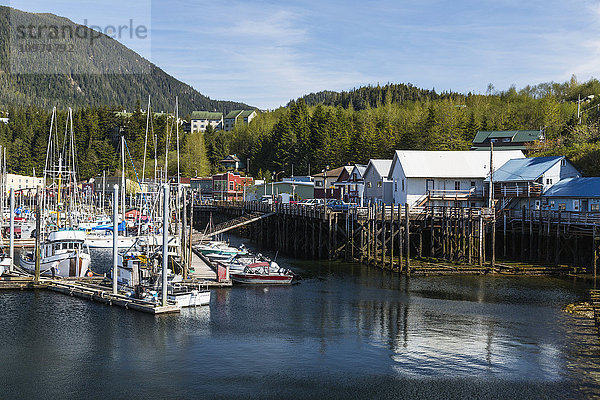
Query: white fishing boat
(62,254)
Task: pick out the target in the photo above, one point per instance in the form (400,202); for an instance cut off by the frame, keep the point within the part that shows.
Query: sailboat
(63,252)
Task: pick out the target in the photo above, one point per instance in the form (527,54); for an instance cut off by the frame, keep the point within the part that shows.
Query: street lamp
(579,101)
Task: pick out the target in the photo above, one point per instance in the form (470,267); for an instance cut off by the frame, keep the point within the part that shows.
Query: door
(429,185)
(584,205)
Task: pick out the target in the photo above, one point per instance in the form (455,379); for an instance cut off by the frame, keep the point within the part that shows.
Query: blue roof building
(530,177)
(574,194)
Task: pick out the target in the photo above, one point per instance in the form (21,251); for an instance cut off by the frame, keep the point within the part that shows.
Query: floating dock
(85,288)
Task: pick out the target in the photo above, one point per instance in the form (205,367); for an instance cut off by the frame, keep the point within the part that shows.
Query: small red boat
(263,273)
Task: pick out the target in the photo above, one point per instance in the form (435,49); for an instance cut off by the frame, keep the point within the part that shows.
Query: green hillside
(80,78)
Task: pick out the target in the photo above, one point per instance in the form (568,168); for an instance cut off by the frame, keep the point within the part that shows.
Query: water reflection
(343,331)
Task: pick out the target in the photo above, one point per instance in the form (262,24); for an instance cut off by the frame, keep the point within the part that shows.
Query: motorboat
(218,248)
(262,272)
(63,254)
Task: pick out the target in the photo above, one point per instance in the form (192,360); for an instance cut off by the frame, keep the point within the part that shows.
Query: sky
(265,53)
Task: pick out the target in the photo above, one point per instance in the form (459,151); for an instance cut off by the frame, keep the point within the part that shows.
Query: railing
(530,189)
(374,211)
(454,194)
(564,217)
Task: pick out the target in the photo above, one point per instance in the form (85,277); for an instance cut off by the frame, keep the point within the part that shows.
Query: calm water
(344,331)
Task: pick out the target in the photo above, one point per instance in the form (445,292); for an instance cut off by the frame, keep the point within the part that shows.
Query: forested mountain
(98,73)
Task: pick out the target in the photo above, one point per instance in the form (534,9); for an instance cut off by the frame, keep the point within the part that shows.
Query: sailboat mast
(177,133)
(146,142)
(123,179)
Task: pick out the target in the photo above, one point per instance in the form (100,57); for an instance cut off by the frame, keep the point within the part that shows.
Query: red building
(229,186)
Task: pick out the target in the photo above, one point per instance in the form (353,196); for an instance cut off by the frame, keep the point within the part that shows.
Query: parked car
(266,199)
(340,205)
(312,202)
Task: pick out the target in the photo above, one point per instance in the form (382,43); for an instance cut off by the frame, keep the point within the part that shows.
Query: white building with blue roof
(521,182)
(573,194)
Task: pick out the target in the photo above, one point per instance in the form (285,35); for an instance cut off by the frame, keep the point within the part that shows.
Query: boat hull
(194,298)
(64,265)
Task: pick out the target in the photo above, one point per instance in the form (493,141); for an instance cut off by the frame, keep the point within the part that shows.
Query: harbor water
(343,331)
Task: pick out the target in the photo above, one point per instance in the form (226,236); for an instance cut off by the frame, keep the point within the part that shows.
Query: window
(369,184)
(562,206)
(378,184)
(493,140)
(456,185)
(472,184)
(506,140)
(552,204)
(548,181)
(563,162)
(395,186)
(403,185)
(594,207)
(230,185)
(319,183)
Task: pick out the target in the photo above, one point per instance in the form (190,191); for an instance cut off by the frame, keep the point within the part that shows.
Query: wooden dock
(85,288)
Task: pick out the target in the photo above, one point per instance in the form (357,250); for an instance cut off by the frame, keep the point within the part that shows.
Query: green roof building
(200,120)
(507,140)
(238,116)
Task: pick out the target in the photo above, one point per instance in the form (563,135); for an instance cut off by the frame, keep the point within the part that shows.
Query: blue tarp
(109,227)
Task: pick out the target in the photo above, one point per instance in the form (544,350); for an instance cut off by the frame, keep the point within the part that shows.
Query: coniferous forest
(310,137)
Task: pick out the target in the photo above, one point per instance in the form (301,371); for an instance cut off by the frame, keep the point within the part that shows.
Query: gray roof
(524,169)
(575,187)
(382,167)
(360,168)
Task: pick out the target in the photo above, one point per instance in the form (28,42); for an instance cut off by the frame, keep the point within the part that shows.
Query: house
(324,182)
(523,180)
(378,187)
(203,187)
(200,120)
(232,163)
(21,182)
(110,181)
(229,186)
(352,188)
(573,194)
(299,187)
(5,120)
(510,140)
(443,177)
(238,116)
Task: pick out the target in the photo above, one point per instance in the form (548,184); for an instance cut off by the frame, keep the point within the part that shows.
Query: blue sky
(265,53)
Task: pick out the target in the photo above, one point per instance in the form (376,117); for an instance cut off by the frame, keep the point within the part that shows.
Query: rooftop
(515,136)
(525,169)
(450,164)
(575,187)
(206,115)
(382,167)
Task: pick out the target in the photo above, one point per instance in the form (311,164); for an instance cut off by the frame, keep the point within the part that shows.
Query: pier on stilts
(419,240)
